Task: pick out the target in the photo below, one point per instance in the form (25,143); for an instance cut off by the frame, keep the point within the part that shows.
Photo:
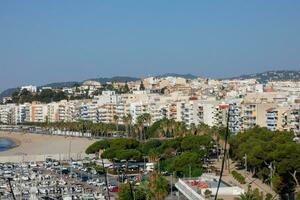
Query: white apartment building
(24,113)
(52,112)
(105,113)
(136,109)
(293,118)
(30,88)
(235,117)
(275,106)
(8,114)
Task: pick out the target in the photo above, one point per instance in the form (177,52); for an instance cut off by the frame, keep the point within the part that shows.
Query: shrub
(269,196)
(237,176)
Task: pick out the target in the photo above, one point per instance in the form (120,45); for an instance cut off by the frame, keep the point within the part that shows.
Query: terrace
(195,188)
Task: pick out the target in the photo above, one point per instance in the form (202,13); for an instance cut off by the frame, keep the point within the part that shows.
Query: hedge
(237,176)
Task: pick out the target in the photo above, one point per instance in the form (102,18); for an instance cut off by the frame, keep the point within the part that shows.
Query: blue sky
(54,40)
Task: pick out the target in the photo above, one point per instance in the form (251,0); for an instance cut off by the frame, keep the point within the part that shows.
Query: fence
(187,191)
(36,158)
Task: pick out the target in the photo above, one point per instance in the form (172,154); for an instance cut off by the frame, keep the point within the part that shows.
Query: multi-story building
(136,109)
(30,88)
(276,118)
(105,113)
(38,112)
(235,119)
(293,119)
(249,103)
(24,113)
(52,112)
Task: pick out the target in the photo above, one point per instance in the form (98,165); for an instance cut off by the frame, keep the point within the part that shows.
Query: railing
(43,157)
(187,191)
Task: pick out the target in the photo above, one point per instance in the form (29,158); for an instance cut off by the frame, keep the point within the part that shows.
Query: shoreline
(38,144)
(15,143)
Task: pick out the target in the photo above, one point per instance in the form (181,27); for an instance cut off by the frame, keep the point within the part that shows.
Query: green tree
(128,154)
(95,147)
(158,186)
(142,87)
(264,147)
(137,192)
(186,163)
(116,121)
(126,88)
(127,122)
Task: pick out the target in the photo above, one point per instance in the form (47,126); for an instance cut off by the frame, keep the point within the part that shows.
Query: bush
(239,177)
(269,196)
(298,196)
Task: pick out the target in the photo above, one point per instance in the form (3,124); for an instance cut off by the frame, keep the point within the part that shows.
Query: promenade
(254,182)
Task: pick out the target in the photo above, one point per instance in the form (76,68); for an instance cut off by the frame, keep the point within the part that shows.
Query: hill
(115,78)
(186,76)
(281,75)
(102,80)
(10,91)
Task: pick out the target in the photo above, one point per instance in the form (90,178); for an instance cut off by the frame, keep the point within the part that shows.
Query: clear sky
(63,40)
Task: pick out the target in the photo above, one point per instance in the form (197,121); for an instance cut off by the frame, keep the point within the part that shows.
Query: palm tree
(147,121)
(248,196)
(158,187)
(127,121)
(193,129)
(116,119)
(136,131)
(172,125)
(179,129)
(203,129)
(140,125)
(129,117)
(164,127)
(147,118)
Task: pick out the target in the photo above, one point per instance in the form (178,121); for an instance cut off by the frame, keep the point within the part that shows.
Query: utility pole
(144,163)
(224,158)
(217,150)
(131,191)
(272,169)
(246,167)
(190,171)
(105,178)
(11,189)
(172,185)
(70,143)
(158,167)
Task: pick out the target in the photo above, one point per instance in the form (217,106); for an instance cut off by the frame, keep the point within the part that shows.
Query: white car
(100,184)
(78,190)
(93,171)
(32,164)
(42,190)
(90,182)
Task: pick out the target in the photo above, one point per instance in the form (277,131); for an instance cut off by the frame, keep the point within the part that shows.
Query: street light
(272,169)
(245,158)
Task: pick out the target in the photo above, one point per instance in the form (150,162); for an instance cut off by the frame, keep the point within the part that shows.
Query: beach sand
(36,144)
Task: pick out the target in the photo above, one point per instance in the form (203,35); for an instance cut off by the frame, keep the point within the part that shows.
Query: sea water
(6,144)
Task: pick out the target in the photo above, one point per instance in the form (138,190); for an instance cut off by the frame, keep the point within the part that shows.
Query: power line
(105,178)
(11,189)
(225,151)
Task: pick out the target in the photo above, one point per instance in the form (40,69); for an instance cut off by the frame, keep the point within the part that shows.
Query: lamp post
(245,158)
(272,169)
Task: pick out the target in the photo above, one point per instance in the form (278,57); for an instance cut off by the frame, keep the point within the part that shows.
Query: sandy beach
(36,144)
